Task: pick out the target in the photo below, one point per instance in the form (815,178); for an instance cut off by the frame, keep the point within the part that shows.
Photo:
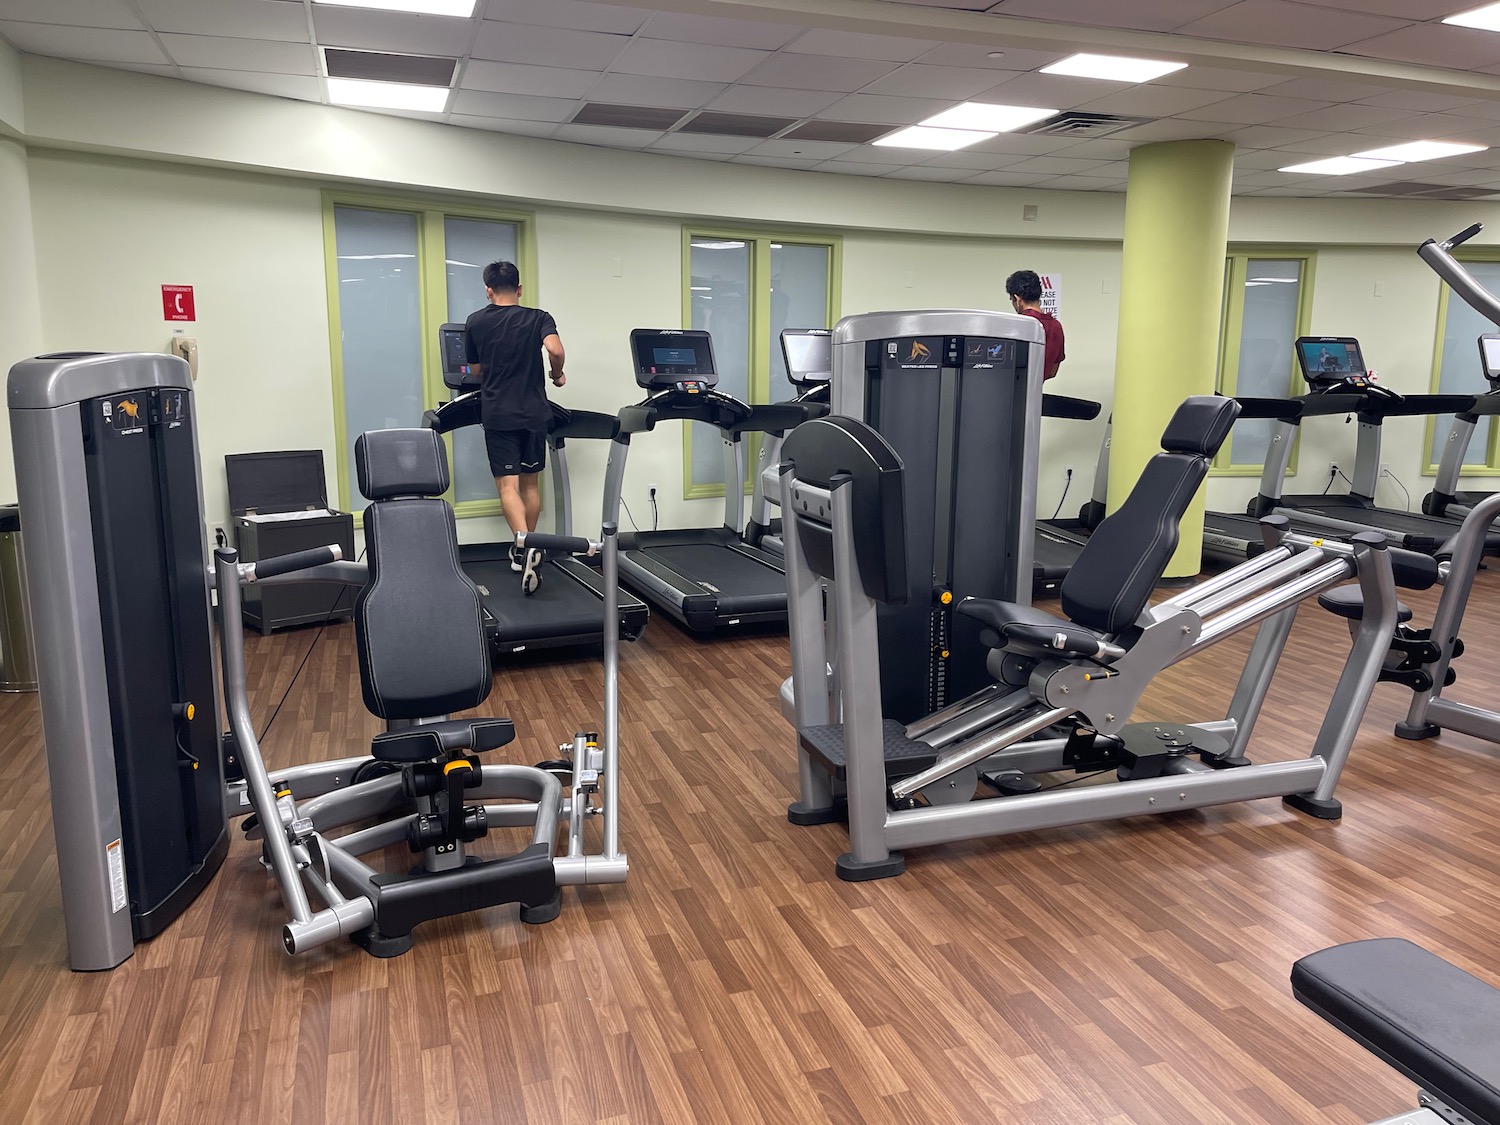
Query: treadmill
(707,579)
(1058,544)
(1334,368)
(568,608)
(808,353)
(1445,499)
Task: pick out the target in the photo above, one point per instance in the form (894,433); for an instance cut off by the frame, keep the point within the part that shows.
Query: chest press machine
(904,785)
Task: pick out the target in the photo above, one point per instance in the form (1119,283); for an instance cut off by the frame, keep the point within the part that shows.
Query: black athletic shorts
(513,452)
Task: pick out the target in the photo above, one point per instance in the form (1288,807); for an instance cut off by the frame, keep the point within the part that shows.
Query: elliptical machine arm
(1460,280)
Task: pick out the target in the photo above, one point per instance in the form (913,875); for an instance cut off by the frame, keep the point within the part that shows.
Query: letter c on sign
(177,298)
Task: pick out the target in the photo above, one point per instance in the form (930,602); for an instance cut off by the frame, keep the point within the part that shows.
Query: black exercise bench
(1435,1023)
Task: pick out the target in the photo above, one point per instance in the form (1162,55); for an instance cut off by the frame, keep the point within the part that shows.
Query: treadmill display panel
(1489,356)
(665,357)
(453,345)
(1330,359)
(809,355)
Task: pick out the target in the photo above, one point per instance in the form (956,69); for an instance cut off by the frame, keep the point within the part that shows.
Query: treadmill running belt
(1054,552)
(736,578)
(561,607)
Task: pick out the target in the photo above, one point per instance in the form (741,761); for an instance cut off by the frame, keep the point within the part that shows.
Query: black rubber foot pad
(800,814)
(852,870)
(1417,733)
(1312,806)
(377,944)
(542,912)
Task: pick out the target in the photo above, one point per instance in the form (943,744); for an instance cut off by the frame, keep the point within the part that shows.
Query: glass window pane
(1460,372)
(470,245)
(799,299)
(1273,291)
(380,320)
(720,272)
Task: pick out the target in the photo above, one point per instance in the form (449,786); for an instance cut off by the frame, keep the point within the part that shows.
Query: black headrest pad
(394,463)
(1200,425)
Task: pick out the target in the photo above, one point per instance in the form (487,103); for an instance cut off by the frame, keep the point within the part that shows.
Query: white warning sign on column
(1051,293)
(116,856)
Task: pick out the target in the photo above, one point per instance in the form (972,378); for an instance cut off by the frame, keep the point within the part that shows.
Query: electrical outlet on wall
(1333,469)
(1385,469)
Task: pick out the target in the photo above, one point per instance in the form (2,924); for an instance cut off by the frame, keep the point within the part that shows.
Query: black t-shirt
(507,339)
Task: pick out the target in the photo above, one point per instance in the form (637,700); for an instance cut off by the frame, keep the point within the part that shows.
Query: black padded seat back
(1127,554)
(418,624)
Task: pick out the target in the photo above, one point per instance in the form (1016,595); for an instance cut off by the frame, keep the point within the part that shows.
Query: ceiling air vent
(627,116)
(381,66)
(736,124)
(1076,123)
(1412,189)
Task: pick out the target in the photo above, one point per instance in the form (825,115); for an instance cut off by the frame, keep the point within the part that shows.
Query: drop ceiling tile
(90,44)
(578,14)
(1334,144)
(924,172)
(952,82)
(1254,109)
(1349,116)
(517,78)
(519,107)
(1052,90)
(1006,179)
(704,62)
(79,13)
(1159,15)
(1056,165)
(1105,148)
(1419,102)
(855,45)
(777,162)
(683,27)
(1272,136)
(1019,59)
(1432,126)
(391,31)
(1155,101)
(503,125)
(764,99)
(1286,24)
(847,132)
(1328,90)
(816,72)
(870,154)
(1402,9)
(1220,78)
(821,150)
(547,46)
(1435,44)
(1081,183)
(636,89)
(300,86)
(216,53)
(978,161)
(608,136)
(705,143)
(242,19)
(860,169)
(162,70)
(1174,129)
(1487,111)
(885,111)
(1257,161)
(1023,144)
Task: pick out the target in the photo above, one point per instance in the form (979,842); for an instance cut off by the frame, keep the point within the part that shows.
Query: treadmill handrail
(720,410)
(1065,406)
(1459,279)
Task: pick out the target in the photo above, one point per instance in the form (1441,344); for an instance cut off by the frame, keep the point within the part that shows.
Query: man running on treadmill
(1024,288)
(505,344)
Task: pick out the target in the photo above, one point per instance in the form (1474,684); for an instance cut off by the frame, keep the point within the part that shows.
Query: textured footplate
(903,757)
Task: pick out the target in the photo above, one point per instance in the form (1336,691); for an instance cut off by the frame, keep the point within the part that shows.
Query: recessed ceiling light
(1113,68)
(987,117)
(1487,18)
(463,8)
(1339,166)
(1419,150)
(387,95)
(995,55)
(945,140)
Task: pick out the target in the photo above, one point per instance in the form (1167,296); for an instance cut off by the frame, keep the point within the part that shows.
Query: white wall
(12,119)
(20,302)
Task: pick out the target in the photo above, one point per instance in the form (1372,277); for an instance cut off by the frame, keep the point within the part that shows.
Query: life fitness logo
(177,302)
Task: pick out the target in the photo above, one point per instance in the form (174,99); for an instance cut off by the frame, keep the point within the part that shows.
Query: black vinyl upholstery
(428,740)
(1128,553)
(1008,621)
(1435,1023)
(418,623)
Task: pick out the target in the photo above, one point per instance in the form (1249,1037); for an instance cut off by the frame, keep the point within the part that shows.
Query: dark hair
(1024,284)
(503,277)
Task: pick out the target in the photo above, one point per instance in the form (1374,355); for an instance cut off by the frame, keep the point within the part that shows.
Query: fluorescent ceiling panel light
(1113,68)
(1419,150)
(1486,18)
(1339,166)
(943,140)
(988,118)
(387,95)
(462,8)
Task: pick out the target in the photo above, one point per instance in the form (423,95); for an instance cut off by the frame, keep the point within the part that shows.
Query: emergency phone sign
(177,302)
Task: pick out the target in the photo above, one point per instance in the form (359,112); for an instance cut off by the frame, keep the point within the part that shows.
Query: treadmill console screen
(666,357)
(1330,359)
(453,347)
(1489,356)
(809,355)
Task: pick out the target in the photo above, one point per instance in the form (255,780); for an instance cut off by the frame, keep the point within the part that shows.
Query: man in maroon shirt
(1024,288)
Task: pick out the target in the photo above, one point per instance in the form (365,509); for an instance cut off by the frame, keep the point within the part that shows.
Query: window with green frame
(1456,370)
(744,287)
(1267,305)
(397,270)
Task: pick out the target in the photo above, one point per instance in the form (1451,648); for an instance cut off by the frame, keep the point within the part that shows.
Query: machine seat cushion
(1007,621)
(1435,1023)
(1347,601)
(401,462)
(427,741)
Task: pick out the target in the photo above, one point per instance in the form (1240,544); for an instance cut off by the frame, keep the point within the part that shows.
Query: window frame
(1231,333)
(760,239)
(1488,255)
(430,213)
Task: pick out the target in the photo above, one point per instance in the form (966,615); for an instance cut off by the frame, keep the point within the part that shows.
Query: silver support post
(562,493)
(1259,608)
(611,799)
(1278,459)
(614,479)
(734,481)
(1455,449)
(1255,678)
(1366,461)
(812,701)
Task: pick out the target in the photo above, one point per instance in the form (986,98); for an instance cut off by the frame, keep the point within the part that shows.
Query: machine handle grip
(1412,569)
(566,544)
(1464,235)
(297,560)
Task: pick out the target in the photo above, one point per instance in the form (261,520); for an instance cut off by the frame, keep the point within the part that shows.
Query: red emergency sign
(177,302)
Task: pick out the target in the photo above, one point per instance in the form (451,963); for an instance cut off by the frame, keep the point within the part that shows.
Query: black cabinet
(280,504)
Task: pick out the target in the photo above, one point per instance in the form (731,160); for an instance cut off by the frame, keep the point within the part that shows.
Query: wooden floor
(1126,972)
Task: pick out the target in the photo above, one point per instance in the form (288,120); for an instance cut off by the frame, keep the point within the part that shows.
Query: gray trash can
(17,646)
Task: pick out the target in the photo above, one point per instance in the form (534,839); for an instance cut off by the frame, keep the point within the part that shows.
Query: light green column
(1171,296)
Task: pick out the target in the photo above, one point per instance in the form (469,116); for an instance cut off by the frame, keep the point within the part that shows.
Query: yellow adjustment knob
(460,764)
(947,598)
(191,711)
(945,654)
